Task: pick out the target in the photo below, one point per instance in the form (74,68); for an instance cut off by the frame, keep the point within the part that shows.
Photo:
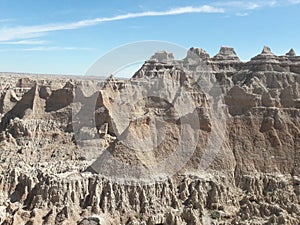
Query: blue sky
(68,36)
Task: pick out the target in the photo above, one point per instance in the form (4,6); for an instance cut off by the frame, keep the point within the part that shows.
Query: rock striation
(62,139)
(226,54)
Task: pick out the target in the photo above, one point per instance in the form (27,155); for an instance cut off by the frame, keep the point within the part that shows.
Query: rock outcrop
(226,54)
(194,141)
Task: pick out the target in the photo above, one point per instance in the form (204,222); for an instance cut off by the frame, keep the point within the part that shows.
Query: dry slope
(87,151)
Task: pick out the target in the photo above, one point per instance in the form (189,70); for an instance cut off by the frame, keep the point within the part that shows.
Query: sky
(68,36)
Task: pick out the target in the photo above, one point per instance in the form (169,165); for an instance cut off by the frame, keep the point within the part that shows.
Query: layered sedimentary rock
(202,140)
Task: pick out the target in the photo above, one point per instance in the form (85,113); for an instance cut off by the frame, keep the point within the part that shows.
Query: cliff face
(195,141)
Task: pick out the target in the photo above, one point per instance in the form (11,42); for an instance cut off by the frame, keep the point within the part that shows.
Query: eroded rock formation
(237,124)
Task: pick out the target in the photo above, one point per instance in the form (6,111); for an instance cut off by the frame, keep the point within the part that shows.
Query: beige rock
(244,168)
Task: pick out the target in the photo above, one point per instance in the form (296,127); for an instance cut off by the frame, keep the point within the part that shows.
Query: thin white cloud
(24,42)
(5,20)
(253,4)
(46,48)
(55,48)
(242,14)
(243,5)
(21,32)
(238,8)
(233,5)
(294,1)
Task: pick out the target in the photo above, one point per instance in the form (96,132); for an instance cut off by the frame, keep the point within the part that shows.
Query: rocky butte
(202,140)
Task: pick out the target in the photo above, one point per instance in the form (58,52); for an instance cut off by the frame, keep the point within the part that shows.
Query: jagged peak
(69,85)
(226,50)
(265,55)
(111,78)
(197,52)
(162,56)
(226,53)
(267,51)
(291,53)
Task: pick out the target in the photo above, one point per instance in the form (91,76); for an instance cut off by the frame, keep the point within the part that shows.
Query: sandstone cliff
(219,145)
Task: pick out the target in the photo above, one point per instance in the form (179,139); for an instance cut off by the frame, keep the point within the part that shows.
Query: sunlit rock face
(196,140)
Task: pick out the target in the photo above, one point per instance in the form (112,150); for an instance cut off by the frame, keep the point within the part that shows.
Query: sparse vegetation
(216,215)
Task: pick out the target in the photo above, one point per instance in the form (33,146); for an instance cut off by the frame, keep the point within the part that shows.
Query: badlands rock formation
(202,140)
